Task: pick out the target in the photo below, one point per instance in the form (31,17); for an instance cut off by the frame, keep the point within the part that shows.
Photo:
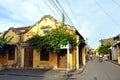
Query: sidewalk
(34,73)
(51,74)
(71,75)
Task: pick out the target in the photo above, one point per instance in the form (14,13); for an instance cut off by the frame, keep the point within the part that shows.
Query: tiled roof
(22,28)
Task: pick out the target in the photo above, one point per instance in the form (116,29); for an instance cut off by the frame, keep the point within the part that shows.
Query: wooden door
(28,57)
(62,59)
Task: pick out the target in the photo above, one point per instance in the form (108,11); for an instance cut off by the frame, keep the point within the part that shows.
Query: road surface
(96,70)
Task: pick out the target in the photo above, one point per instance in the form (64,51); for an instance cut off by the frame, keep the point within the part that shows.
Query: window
(44,56)
(11,54)
(45,27)
(45,31)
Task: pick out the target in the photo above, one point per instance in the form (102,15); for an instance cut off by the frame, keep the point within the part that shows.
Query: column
(77,53)
(68,57)
(77,58)
(83,56)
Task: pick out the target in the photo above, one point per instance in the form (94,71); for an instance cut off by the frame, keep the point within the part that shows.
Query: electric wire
(106,13)
(57,9)
(116,3)
(64,12)
(51,9)
(72,12)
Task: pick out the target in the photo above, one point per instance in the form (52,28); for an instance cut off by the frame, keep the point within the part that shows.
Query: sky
(94,19)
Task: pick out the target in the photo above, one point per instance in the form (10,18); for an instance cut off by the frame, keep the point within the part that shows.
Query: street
(96,70)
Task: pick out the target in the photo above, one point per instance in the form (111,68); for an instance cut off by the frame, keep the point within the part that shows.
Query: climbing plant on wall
(53,40)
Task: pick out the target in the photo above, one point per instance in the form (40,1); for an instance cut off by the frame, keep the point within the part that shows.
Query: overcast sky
(94,19)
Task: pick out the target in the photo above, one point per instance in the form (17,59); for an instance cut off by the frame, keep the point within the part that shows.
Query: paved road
(96,70)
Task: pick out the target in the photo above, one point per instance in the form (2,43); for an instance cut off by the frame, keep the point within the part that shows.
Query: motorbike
(100,59)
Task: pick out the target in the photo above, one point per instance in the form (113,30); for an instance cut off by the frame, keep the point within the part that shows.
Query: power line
(116,3)
(51,9)
(72,12)
(57,8)
(64,12)
(106,12)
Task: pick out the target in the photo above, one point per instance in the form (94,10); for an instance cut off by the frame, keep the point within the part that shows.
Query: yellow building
(23,55)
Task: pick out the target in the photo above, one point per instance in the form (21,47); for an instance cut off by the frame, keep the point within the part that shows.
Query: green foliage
(60,36)
(104,48)
(39,43)
(4,45)
(53,40)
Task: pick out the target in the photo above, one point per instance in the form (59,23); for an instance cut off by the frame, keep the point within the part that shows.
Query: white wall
(114,53)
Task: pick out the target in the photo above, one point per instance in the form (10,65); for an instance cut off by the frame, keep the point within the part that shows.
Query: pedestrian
(91,56)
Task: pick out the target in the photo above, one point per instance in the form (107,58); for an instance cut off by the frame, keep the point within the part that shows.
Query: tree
(104,48)
(4,45)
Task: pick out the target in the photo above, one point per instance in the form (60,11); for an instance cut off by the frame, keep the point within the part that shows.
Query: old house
(22,55)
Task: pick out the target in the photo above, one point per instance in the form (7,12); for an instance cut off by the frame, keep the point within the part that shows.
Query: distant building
(103,41)
(114,51)
(112,40)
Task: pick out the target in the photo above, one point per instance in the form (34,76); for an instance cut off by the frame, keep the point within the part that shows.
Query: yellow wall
(3,61)
(73,60)
(52,63)
(15,36)
(22,58)
(14,40)
(12,62)
(36,29)
(83,56)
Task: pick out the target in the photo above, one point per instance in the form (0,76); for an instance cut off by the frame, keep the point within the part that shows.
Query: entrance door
(62,59)
(28,57)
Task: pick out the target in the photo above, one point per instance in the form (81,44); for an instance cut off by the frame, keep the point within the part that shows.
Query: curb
(77,71)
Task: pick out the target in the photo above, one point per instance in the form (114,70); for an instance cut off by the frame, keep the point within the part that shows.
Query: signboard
(68,46)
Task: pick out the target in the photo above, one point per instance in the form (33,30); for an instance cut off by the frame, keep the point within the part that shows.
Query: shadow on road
(95,78)
(37,74)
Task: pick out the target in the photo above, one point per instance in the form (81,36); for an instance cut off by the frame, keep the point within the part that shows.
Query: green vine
(53,40)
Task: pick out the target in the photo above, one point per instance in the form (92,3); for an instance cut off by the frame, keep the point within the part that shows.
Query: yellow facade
(47,23)
(15,38)
(118,54)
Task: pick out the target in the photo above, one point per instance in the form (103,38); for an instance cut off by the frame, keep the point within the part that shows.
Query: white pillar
(68,57)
